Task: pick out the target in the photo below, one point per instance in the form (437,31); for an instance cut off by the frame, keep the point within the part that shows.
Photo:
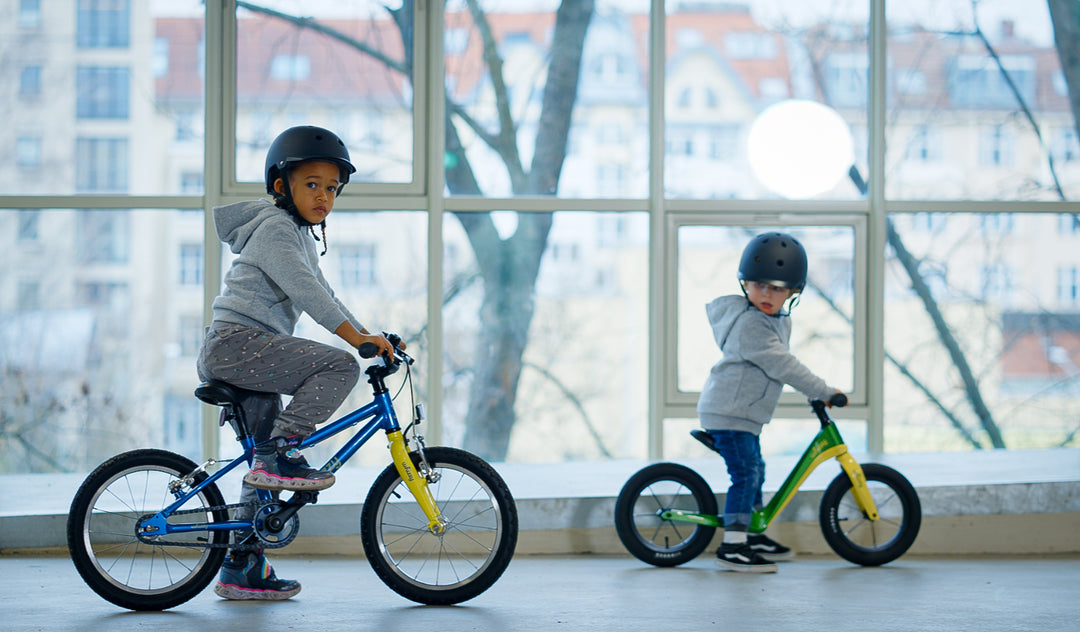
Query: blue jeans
(742,455)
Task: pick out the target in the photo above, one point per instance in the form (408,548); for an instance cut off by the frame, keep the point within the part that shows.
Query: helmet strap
(286,203)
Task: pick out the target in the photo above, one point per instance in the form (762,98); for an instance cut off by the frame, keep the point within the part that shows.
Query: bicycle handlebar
(369,350)
(838,399)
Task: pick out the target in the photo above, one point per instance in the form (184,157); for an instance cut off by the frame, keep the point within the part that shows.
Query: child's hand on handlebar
(372,345)
(837,399)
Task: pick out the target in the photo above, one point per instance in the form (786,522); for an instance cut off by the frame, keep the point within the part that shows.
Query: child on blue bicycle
(249,344)
(743,388)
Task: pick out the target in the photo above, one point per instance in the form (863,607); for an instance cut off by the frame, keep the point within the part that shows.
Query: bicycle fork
(415,481)
(859,488)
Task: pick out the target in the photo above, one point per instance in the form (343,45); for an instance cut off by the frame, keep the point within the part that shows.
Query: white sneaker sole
(262,480)
(746,568)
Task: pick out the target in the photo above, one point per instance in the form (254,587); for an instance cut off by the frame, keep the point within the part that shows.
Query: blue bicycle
(149,529)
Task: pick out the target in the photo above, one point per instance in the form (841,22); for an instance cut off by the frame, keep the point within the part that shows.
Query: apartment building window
(1069,224)
(30,82)
(1068,283)
(996,146)
(28,225)
(102,92)
(103,24)
(103,236)
(290,68)
(750,45)
(190,334)
(1065,146)
(929,222)
(996,283)
(998,223)
(112,297)
(191,183)
(724,142)
(29,13)
(924,145)
(101,165)
(191,264)
(847,79)
(357,262)
(977,81)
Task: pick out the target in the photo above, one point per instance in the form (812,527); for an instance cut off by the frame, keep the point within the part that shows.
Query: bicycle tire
(649,492)
(113,561)
(855,537)
(463,561)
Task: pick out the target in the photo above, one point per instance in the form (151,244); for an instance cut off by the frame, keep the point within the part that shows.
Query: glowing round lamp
(799,149)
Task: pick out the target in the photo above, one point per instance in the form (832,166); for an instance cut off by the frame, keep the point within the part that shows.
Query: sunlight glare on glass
(799,149)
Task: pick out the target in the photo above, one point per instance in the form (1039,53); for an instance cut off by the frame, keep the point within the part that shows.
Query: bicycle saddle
(705,439)
(222,394)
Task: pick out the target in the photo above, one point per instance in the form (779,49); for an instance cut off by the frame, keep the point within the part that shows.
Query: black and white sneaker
(741,558)
(769,549)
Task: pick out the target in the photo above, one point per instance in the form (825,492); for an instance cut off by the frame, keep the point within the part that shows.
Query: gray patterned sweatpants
(318,376)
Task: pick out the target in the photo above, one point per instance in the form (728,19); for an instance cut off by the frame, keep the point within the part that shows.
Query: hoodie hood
(235,223)
(723,312)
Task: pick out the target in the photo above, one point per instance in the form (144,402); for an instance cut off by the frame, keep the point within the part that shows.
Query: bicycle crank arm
(676,515)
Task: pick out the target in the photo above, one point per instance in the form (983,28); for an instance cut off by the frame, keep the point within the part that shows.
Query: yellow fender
(858,485)
(416,483)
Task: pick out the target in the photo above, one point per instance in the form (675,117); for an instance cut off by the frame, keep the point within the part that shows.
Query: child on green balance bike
(743,389)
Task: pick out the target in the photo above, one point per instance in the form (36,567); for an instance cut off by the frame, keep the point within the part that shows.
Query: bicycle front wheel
(650,492)
(470,554)
(867,542)
(108,554)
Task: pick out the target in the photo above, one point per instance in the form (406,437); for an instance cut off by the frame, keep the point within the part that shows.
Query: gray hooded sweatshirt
(276,276)
(743,388)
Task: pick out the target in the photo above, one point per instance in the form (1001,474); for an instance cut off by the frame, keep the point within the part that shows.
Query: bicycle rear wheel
(109,556)
(464,560)
(867,542)
(648,493)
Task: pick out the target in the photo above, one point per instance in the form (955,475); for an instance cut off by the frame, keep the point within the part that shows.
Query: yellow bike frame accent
(789,487)
(416,483)
(858,485)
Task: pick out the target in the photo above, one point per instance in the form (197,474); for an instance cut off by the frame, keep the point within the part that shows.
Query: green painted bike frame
(828,444)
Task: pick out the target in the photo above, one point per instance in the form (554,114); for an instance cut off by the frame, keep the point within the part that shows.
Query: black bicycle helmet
(306,142)
(774,258)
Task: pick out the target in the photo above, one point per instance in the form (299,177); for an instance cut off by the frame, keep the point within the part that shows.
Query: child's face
(314,186)
(767,298)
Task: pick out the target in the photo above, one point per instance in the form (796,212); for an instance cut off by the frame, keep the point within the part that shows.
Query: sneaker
(741,558)
(286,469)
(769,549)
(249,575)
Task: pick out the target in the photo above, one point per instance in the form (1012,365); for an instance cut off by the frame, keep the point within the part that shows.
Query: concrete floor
(596,593)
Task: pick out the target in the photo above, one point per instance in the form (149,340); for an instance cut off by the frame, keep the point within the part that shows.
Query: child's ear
(279,186)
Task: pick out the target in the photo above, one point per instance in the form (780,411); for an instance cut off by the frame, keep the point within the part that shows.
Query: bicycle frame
(828,444)
(380,412)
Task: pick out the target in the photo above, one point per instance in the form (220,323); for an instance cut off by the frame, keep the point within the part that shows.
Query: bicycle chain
(262,544)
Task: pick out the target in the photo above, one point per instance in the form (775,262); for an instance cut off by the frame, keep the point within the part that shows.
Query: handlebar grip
(838,399)
(368,350)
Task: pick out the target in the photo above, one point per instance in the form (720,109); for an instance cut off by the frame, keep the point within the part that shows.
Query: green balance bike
(666,514)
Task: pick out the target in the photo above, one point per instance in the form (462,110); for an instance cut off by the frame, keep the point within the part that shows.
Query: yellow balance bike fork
(416,483)
(858,485)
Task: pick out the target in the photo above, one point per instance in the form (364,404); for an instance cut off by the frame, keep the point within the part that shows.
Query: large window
(992,95)
(546,195)
(982,336)
(347,66)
